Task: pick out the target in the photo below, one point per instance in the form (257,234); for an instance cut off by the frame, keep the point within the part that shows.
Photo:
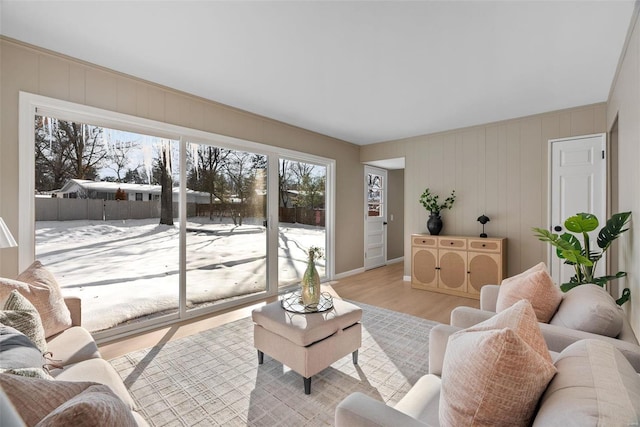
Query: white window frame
(31,105)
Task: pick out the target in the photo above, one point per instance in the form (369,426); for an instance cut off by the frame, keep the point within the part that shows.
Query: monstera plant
(580,255)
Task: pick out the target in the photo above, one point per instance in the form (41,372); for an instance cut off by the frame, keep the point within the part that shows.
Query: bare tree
(66,150)
(166,181)
(240,169)
(86,153)
(283,182)
(209,163)
(119,157)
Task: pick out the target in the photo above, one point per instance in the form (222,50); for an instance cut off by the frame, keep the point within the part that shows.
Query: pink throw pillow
(534,285)
(494,373)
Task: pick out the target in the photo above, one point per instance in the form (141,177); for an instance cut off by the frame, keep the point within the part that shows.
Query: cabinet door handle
(451,243)
(437,268)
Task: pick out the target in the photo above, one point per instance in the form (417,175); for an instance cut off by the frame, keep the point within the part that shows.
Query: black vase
(434,224)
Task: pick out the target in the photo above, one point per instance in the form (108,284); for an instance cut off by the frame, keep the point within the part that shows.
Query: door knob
(557,228)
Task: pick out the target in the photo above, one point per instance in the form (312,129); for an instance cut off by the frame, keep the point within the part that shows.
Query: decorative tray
(293,302)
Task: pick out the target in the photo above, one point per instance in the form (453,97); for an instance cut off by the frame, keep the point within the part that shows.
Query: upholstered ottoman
(307,343)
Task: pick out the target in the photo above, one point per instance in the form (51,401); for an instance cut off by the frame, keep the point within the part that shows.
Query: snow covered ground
(125,270)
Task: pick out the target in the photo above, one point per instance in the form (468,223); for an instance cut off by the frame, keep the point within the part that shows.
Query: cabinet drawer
(485,245)
(427,241)
(452,243)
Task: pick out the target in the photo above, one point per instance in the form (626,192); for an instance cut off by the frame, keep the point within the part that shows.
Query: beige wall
(499,169)
(25,68)
(395,227)
(624,103)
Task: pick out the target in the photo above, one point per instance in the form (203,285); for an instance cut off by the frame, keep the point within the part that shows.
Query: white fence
(78,209)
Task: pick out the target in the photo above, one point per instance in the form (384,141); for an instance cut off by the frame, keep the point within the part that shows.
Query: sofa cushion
(590,308)
(73,345)
(521,318)
(40,287)
(494,372)
(20,314)
(534,285)
(95,406)
(595,386)
(98,371)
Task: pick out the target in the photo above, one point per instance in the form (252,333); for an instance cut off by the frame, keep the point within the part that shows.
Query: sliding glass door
(301,218)
(106,219)
(149,223)
(226,233)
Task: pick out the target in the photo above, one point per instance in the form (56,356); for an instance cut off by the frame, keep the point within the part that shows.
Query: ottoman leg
(307,385)
(354,355)
(260,357)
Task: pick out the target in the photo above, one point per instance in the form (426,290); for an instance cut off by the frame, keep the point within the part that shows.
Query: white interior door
(578,184)
(375,213)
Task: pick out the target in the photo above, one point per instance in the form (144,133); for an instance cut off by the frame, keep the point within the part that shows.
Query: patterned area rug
(213,378)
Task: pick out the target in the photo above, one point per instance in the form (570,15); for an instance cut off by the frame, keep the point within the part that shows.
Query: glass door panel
(226,233)
(105,202)
(301,218)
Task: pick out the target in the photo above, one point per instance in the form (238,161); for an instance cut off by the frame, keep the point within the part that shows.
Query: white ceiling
(361,71)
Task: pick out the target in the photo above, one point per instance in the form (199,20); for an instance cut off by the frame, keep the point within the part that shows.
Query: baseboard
(362,270)
(348,273)
(406,278)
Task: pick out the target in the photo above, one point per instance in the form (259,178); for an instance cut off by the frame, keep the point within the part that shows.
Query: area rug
(213,377)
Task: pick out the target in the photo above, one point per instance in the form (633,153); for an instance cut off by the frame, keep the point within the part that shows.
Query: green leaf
(581,223)
(562,242)
(576,258)
(565,287)
(613,229)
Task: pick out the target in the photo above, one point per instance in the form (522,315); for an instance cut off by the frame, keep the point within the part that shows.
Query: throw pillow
(491,378)
(65,402)
(95,406)
(534,285)
(521,318)
(40,287)
(18,351)
(595,385)
(20,314)
(35,398)
(590,308)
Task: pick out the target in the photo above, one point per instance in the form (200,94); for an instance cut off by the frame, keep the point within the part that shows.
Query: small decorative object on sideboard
(310,285)
(432,204)
(483,219)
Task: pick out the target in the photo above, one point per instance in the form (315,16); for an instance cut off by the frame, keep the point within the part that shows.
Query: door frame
(367,170)
(603,136)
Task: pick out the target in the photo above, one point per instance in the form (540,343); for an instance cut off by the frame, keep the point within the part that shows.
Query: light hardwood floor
(382,287)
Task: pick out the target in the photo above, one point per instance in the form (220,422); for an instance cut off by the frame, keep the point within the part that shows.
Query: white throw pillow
(590,308)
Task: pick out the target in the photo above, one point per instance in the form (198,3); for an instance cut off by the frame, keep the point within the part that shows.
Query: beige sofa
(571,398)
(77,353)
(556,337)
